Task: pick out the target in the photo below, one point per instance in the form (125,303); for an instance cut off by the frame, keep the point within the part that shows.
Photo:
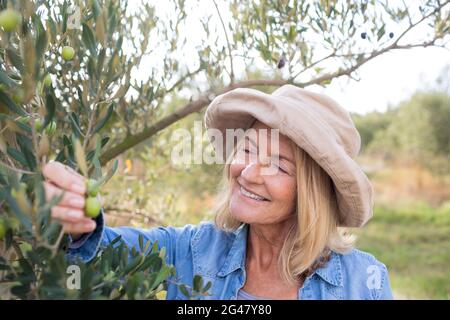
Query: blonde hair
(315,234)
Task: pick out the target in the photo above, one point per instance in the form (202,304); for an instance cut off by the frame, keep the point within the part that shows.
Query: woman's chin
(243,213)
(242,218)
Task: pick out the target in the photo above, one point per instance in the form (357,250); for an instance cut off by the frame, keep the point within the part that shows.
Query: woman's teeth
(251,195)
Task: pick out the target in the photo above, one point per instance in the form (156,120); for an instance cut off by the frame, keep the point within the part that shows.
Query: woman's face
(260,195)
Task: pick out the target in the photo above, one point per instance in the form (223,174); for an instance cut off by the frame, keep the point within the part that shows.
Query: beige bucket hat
(317,124)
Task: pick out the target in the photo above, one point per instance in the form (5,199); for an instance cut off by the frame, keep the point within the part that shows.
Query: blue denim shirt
(219,257)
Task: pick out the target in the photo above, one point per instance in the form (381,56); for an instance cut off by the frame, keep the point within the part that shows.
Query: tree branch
(197,105)
(194,106)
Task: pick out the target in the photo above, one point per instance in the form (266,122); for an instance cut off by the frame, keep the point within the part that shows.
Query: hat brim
(239,108)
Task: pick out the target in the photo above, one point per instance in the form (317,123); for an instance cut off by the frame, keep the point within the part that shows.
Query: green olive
(48,80)
(38,124)
(92,189)
(9,19)
(68,53)
(92,207)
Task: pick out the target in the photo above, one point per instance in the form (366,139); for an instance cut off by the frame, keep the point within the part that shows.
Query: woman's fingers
(73,221)
(64,177)
(69,199)
(78,228)
(69,215)
(69,211)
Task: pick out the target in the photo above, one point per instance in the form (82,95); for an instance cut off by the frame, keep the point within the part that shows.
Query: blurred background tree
(418,129)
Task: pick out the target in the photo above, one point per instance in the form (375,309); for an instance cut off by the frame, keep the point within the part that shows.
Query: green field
(413,240)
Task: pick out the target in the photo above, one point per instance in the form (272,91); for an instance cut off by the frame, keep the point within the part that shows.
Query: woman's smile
(250,196)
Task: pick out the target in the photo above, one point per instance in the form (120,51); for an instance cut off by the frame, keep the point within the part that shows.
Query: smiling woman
(277,231)
(271,205)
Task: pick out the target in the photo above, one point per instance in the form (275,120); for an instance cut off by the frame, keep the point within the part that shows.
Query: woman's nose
(252,171)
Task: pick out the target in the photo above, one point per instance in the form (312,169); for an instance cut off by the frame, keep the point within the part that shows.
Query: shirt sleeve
(385,291)
(88,246)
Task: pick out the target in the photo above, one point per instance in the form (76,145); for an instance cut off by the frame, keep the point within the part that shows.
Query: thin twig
(17,249)
(407,12)
(421,20)
(16,169)
(228,43)
(57,243)
(182,79)
(333,54)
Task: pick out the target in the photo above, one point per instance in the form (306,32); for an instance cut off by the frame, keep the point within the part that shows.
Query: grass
(413,240)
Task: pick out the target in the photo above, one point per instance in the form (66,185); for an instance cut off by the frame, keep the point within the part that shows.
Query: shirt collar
(330,273)
(236,256)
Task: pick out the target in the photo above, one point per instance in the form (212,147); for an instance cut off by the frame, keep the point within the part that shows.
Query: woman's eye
(282,170)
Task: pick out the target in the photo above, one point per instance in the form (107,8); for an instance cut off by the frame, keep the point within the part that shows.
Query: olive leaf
(109,174)
(80,157)
(7,101)
(89,40)
(6,80)
(104,119)
(50,107)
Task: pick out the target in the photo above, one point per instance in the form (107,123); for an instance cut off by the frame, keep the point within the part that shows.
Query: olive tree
(83,82)
(64,75)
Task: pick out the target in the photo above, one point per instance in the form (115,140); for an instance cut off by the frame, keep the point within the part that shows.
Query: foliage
(76,104)
(369,124)
(417,129)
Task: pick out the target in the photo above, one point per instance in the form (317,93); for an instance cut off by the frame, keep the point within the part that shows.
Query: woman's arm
(88,245)
(386,291)
(88,235)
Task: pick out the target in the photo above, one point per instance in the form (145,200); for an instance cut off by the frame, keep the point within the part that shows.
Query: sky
(389,79)
(384,81)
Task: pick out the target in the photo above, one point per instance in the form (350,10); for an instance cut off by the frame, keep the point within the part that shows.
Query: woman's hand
(70,210)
